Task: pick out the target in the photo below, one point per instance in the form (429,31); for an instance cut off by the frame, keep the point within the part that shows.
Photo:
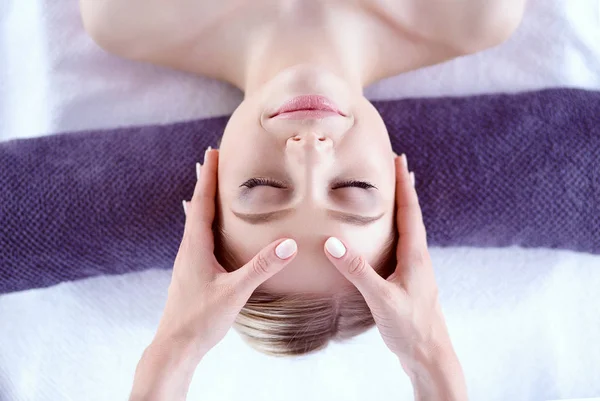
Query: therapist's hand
(405,306)
(203,299)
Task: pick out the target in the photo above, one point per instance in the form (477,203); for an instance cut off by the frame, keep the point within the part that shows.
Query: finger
(201,208)
(409,220)
(356,270)
(268,262)
(206,186)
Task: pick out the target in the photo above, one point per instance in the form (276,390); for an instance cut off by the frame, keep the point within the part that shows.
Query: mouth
(308,107)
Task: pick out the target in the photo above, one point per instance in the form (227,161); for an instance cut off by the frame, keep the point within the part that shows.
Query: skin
(311,158)
(273,51)
(204,300)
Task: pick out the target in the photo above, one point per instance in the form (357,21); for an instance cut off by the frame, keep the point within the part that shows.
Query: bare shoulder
(138,28)
(198,35)
(467,26)
(427,32)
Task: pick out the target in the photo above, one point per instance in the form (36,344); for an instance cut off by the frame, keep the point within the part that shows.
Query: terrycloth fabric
(82,340)
(494,170)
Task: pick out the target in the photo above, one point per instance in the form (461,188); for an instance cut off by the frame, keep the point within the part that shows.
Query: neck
(310,38)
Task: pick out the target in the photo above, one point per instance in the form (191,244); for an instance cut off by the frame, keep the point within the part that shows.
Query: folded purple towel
(492,171)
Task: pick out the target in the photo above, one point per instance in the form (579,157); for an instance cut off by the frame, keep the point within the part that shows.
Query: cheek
(243,152)
(242,240)
(370,134)
(242,130)
(368,241)
(245,142)
(377,161)
(381,154)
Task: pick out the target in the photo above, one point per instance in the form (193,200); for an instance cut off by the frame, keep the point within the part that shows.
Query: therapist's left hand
(204,299)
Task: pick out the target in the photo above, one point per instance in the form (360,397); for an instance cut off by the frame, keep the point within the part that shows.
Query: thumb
(268,262)
(356,269)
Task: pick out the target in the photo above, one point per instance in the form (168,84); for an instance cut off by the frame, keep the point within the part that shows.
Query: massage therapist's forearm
(165,371)
(436,374)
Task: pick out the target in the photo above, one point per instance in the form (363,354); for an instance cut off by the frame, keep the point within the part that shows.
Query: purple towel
(492,171)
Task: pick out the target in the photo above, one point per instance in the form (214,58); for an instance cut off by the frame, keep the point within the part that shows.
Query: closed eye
(267,182)
(354,184)
(264,182)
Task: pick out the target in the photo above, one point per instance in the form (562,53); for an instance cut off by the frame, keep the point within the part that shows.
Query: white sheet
(525,323)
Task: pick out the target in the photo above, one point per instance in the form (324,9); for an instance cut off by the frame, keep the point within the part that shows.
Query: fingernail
(335,247)
(412,178)
(198,166)
(286,249)
(206,153)
(404,161)
(184,207)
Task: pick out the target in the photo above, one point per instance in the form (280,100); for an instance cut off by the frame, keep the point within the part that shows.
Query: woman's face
(306,178)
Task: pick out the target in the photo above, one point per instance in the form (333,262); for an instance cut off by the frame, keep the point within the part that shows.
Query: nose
(310,142)
(309,156)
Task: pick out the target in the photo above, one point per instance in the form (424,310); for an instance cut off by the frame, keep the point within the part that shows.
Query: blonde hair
(297,324)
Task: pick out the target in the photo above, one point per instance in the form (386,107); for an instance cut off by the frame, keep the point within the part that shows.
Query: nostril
(296,139)
(322,139)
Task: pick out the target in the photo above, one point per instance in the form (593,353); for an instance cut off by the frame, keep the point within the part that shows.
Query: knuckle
(260,265)
(357,266)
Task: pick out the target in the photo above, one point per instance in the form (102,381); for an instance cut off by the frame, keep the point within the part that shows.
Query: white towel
(525,323)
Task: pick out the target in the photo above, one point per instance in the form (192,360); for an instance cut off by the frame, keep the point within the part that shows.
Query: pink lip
(308,106)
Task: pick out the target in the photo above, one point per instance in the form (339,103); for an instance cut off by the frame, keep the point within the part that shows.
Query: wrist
(178,353)
(427,356)
(179,336)
(180,342)
(438,377)
(428,348)
(434,369)
(165,370)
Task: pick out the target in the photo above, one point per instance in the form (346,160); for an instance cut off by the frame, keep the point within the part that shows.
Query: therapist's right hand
(405,306)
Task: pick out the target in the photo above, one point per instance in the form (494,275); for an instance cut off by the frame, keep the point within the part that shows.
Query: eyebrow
(348,218)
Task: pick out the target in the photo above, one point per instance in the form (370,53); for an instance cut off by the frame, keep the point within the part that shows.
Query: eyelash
(355,184)
(256,182)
